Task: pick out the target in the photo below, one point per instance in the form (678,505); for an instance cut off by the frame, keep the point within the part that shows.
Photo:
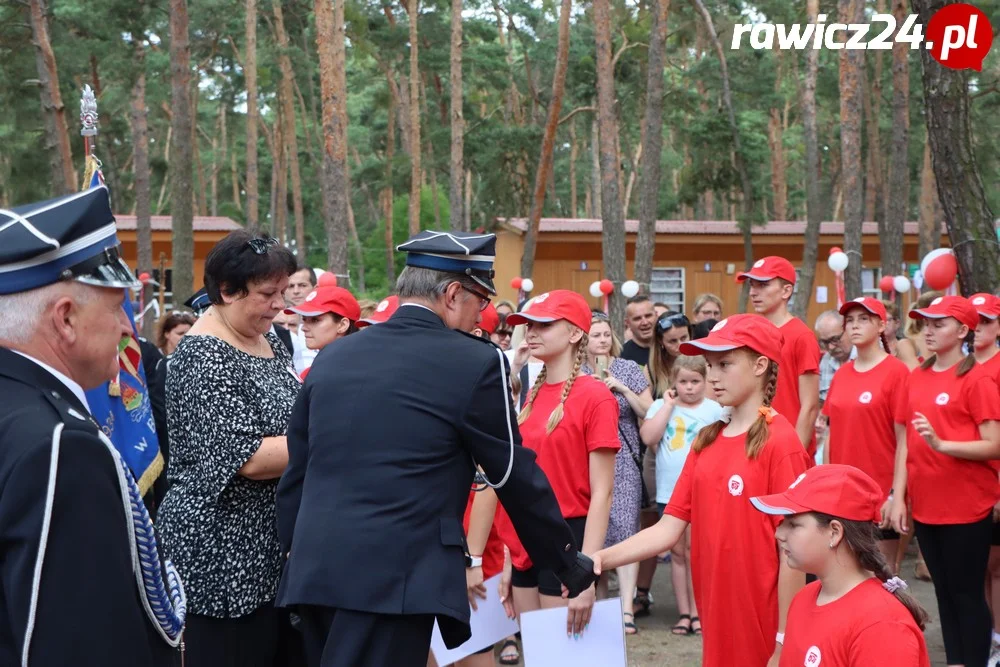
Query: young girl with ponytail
(571,421)
(753,451)
(847,617)
(951,409)
(861,405)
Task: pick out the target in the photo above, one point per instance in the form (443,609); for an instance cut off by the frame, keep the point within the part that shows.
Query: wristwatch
(473,561)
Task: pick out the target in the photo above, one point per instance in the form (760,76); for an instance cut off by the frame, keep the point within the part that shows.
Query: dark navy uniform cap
(69,238)
(454,252)
(199,301)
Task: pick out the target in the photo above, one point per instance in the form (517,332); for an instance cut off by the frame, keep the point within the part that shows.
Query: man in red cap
(772,284)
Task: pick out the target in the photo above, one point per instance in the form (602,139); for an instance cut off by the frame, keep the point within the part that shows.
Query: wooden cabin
(691,257)
(208,230)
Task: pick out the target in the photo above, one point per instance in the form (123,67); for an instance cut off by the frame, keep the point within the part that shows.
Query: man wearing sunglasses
(383,445)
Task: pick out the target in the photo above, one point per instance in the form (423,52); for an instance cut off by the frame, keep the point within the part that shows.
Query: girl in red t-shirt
(951,409)
(754,452)
(571,421)
(848,617)
(861,403)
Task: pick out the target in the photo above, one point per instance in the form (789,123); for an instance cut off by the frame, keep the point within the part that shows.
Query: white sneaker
(994,660)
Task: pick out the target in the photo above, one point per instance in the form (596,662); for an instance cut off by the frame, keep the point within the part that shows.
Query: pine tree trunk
(181,158)
(775,140)
(930,224)
(333,90)
(279,163)
(814,196)
(287,102)
(574,154)
(56,131)
(140,162)
(959,183)
(851,79)
(548,141)
(250,73)
(390,151)
(875,186)
(468,200)
(613,221)
(898,190)
(457,170)
(595,169)
(414,206)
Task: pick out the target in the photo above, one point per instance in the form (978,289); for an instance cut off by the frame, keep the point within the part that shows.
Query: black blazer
(380,448)
(285,336)
(88,605)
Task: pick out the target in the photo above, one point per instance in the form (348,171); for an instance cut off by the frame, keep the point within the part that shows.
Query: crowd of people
(749,452)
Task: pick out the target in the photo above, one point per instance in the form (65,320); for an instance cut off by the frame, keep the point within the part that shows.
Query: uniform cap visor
(778,504)
(111,273)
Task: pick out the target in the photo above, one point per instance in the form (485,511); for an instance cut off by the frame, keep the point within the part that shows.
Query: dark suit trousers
(345,638)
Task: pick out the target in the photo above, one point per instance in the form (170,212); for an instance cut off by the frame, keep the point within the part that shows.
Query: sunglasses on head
(668,321)
(260,246)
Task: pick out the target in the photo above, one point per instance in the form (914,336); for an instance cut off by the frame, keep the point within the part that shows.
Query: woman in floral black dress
(230,390)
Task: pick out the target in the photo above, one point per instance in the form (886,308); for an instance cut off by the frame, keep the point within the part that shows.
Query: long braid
(758,432)
(581,358)
(526,410)
(862,538)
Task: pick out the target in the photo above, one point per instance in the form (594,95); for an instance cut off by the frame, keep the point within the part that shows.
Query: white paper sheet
(821,294)
(543,635)
(489,625)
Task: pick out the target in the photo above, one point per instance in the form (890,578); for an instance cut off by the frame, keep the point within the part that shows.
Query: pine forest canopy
(305,168)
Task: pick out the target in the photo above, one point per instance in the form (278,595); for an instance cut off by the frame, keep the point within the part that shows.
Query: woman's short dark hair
(245,256)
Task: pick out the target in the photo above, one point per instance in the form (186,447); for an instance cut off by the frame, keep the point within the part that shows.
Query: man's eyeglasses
(831,341)
(484,301)
(260,246)
(668,321)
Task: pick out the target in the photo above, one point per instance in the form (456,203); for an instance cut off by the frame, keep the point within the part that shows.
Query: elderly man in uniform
(80,577)
(383,445)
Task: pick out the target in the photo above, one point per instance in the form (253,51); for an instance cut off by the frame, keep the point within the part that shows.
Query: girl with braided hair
(857,612)
(861,403)
(752,451)
(570,420)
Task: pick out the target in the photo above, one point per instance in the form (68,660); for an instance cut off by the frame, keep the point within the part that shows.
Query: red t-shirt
(493,554)
(800,355)
(993,368)
(861,409)
(589,423)
(867,626)
(738,603)
(945,489)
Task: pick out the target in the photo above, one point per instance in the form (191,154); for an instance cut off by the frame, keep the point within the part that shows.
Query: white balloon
(527,285)
(901,284)
(630,288)
(838,261)
(595,289)
(931,256)
(319,272)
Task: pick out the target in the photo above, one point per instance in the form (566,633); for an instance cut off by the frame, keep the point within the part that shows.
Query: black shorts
(888,534)
(996,535)
(546,581)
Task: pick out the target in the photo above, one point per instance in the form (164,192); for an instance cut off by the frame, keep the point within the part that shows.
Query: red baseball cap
(383,311)
(489,320)
(873,306)
(753,331)
(559,304)
(838,490)
(949,306)
(986,305)
(768,268)
(328,299)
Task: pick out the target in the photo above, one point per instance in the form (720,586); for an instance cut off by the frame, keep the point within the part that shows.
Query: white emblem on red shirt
(865,398)
(942,399)
(736,485)
(813,657)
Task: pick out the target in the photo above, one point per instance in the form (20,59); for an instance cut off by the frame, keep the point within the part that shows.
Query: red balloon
(516,282)
(886,284)
(607,287)
(835,249)
(327,280)
(941,272)
(144,277)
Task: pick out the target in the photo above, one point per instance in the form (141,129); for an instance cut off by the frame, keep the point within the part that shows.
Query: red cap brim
(743,277)
(851,304)
(710,343)
(778,504)
(524,318)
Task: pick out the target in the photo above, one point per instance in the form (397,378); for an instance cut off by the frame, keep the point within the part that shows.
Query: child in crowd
(857,612)
(752,451)
(772,284)
(671,426)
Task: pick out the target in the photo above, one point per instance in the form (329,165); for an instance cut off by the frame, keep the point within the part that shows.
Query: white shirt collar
(70,384)
(416,305)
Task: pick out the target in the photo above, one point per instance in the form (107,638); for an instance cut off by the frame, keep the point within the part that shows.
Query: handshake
(579,576)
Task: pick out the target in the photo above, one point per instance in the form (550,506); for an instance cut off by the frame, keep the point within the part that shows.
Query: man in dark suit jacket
(383,443)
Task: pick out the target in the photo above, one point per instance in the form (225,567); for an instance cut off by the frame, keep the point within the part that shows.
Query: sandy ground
(654,646)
